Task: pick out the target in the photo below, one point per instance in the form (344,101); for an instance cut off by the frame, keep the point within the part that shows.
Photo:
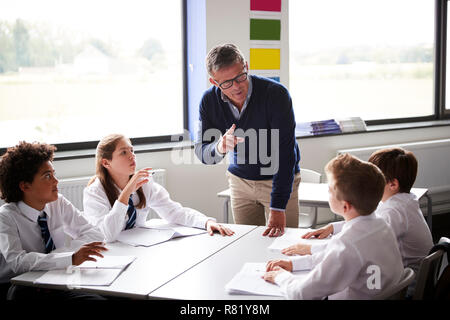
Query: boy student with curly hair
(36,219)
(398,207)
(361,261)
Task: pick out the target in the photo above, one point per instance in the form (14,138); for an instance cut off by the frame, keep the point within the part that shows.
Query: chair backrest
(310,176)
(427,276)
(398,291)
(308,215)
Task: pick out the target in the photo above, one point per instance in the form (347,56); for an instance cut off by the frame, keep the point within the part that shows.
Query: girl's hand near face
(136,181)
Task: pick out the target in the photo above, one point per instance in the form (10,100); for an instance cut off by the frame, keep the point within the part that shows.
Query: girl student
(118,197)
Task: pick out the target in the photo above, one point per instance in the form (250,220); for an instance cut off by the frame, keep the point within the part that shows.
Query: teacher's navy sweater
(269,108)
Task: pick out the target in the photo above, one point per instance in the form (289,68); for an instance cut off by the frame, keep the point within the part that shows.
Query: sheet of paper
(294,236)
(249,281)
(108,262)
(144,236)
(80,277)
(181,231)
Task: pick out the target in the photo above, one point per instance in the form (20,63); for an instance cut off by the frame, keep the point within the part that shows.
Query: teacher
(252,119)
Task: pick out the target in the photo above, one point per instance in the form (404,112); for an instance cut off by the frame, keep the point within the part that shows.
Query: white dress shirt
(112,220)
(343,270)
(21,242)
(402,213)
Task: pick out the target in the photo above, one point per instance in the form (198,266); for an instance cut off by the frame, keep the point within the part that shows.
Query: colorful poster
(265,29)
(265,38)
(265,5)
(264,59)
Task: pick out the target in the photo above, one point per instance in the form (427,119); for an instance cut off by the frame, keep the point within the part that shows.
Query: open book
(153,234)
(102,272)
(249,281)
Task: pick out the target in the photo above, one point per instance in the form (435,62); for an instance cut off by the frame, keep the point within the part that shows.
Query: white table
(316,195)
(155,266)
(207,280)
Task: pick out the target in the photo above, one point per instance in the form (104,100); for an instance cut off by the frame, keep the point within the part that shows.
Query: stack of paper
(103,272)
(352,124)
(151,235)
(249,281)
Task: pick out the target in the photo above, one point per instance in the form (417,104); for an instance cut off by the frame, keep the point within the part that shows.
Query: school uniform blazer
(111,220)
(402,213)
(21,243)
(360,262)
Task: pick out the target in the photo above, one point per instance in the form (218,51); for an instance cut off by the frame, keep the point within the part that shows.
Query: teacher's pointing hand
(228,141)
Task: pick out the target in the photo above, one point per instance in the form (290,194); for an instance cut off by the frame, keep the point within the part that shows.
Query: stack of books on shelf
(317,128)
(325,127)
(352,124)
(330,126)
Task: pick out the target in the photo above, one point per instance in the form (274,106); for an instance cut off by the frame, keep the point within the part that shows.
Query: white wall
(196,185)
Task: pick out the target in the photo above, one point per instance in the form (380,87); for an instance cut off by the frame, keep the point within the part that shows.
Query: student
(363,259)
(36,220)
(398,207)
(119,198)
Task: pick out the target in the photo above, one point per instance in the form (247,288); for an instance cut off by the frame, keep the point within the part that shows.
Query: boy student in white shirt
(398,207)
(119,198)
(361,261)
(36,220)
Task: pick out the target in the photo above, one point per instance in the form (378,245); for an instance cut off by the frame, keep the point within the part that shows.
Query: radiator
(433,171)
(72,188)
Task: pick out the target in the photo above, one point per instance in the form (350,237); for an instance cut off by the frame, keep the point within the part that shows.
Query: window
(74,71)
(446,105)
(372,59)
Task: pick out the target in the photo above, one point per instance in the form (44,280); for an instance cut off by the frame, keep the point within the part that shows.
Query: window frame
(440,113)
(438,103)
(441,26)
(81,145)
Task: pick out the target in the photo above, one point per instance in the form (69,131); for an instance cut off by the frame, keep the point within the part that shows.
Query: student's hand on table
(320,233)
(298,248)
(228,141)
(277,223)
(212,226)
(285,264)
(86,251)
(270,276)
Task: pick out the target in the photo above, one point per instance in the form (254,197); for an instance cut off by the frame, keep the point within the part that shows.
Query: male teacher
(251,118)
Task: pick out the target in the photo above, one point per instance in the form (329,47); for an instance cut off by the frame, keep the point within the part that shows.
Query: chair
(398,291)
(428,274)
(308,218)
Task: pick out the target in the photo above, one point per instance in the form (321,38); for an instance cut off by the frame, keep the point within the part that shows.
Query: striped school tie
(48,241)
(131,212)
